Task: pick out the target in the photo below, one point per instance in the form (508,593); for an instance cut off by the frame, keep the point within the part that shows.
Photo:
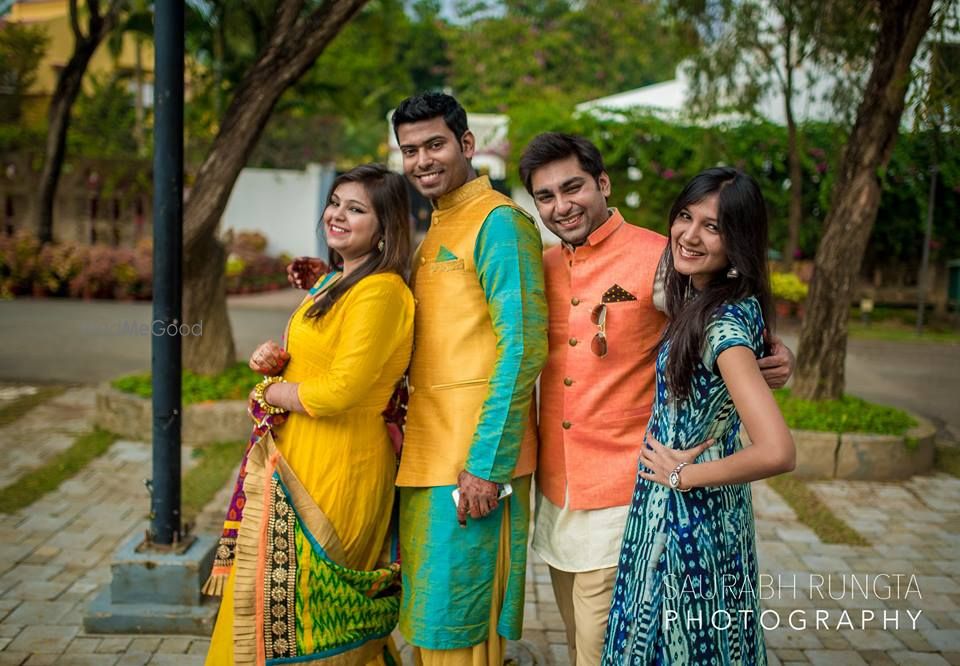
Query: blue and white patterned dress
(692,555)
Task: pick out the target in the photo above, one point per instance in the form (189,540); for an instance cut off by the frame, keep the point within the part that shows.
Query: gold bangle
(259,394)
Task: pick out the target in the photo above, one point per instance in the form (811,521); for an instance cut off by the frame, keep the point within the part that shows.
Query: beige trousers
(584,601)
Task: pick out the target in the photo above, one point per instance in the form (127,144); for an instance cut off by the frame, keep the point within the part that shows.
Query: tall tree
(902,25)
(294,39)
(754,48)
(99,22)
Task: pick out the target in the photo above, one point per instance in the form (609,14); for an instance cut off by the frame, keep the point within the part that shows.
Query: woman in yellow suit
(305,564)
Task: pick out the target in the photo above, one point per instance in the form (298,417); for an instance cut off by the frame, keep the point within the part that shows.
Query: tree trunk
(64,95)
(856,197)
(294,44)
(138,115)
(214,345)
(793,148)
(795,218)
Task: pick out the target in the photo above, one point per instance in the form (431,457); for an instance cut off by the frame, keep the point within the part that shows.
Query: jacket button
(423,260)
(573,342)
(575,301)
(566,425)
(567,381)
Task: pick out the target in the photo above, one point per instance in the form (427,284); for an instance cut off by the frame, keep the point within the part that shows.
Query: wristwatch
(674,478)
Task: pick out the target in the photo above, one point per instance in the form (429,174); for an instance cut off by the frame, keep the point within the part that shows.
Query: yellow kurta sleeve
(378,318)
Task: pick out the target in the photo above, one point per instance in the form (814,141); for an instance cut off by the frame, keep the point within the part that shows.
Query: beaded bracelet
(259,394)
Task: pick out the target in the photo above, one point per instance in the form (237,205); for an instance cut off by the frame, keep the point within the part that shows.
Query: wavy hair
(391,203)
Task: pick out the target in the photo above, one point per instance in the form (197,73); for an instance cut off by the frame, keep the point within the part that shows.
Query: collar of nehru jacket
(468,190)
(601,233)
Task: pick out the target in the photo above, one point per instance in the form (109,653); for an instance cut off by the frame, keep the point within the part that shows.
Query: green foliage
(649,160)
(234,383)
(510,57)
(38,482)
(22,47)
(893,331)
(848,414)
(788,287)
(751,48)
(215,465)
(813,513)
(103,120)
(576,51)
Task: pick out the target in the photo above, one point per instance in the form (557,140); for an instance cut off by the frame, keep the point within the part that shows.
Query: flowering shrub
(248,269)
(788,287)
(103,271)
(19,255)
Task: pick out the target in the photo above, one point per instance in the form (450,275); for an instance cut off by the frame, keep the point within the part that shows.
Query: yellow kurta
(347,365)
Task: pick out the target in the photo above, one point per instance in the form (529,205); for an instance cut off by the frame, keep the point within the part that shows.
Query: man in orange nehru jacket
(596,390)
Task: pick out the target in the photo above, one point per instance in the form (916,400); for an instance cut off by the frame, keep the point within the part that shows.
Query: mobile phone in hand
(505,490)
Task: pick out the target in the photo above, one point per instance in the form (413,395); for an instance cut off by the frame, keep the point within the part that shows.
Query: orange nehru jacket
(593,411)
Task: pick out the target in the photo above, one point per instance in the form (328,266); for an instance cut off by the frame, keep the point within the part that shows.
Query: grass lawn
(892,331)
(38,482)
(216,464)
(11,412)
(813,513)
(232,384)
(848,414)
(948,460)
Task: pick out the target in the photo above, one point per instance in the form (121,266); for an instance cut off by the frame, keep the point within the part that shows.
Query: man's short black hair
(429,105)
(553,146)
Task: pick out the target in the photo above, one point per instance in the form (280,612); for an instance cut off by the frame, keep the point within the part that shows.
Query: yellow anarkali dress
(347,365)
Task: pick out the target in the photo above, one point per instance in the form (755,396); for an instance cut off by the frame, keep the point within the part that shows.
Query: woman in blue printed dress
(686,589)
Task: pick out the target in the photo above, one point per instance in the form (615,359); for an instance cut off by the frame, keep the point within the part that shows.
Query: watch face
(674,479)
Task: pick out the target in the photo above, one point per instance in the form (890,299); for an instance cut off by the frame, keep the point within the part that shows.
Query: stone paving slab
(44,431)
(55,555)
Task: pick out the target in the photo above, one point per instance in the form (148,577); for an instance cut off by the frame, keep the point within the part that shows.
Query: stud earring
(381,245)
(733,273)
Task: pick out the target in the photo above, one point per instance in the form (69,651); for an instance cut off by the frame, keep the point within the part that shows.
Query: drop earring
(733,273)
(381,245)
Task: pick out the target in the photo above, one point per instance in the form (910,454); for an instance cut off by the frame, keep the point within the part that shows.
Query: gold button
(567,381)
(575,301)
(573,342)
(416,301)
(410,389)
(566,425)
(423,260)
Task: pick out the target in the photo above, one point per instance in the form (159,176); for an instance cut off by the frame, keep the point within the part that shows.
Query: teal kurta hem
(452,611)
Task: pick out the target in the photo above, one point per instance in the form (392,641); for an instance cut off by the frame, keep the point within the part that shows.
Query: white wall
(282,204)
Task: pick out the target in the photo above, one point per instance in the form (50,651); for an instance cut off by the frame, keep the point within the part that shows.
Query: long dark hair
(388,193)
(742,218)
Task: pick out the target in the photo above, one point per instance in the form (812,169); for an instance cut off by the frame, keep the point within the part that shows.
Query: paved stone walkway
(55,554)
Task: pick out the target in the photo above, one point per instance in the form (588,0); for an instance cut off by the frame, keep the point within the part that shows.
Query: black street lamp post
(167,281)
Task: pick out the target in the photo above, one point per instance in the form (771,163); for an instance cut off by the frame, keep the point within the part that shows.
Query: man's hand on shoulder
(778,366)
(478,497)
(303,272)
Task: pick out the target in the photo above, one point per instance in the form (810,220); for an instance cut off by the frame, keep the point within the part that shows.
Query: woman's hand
(662,460)
(269,359)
